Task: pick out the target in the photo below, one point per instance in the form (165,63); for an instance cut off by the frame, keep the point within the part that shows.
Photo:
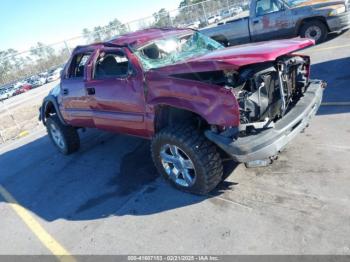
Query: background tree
(87,35)
(162,18)
(40,58)
(6,64)
(106,32)
(115,28)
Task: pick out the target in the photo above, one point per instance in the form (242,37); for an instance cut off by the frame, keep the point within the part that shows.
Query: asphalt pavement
(108,198)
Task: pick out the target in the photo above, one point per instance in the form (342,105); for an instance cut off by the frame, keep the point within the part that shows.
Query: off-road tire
(69,134)
(322,27)
(203,153)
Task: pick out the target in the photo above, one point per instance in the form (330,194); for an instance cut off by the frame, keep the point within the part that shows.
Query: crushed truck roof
(145,36)
(139,38)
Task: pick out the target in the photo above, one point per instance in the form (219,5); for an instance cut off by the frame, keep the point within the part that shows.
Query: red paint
(24,88)
(129,105)
(238,56)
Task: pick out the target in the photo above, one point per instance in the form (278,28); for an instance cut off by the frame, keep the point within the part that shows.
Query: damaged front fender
(215,104)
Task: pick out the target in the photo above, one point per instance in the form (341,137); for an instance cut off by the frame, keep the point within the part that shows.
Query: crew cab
(196,100)
(274,19)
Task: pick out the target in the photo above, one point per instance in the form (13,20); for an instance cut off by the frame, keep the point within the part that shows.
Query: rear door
(270,19)
(116,93)
(75,105)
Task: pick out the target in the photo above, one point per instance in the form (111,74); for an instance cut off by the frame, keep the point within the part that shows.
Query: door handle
(65,92)
(90,91)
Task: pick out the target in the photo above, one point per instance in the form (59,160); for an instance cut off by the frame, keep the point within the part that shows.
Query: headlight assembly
(339,9)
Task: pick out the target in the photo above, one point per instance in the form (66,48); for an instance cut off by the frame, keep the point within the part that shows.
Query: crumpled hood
(238,56)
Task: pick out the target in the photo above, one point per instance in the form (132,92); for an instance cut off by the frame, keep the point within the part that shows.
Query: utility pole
(205,14)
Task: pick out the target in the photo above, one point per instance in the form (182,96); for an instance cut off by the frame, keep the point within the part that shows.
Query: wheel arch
(321,19)
(49,107)
(168,115)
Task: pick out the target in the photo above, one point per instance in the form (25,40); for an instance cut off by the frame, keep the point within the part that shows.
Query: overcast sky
(25,22)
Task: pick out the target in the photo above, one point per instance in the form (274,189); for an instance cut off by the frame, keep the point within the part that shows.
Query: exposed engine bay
(265,92)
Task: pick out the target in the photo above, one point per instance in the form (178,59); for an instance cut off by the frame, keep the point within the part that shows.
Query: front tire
(187,159)
(65,138)
(315,30)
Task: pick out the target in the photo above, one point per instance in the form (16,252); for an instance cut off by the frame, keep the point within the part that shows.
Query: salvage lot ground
(107,199)
(20,113)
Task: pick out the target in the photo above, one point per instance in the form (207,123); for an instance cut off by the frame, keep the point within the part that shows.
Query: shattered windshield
(168,51)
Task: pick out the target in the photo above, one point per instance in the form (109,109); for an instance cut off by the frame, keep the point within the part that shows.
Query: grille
(290,79)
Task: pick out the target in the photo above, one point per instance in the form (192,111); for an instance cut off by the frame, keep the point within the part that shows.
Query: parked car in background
(19,84)
(13,90)
(54,75)
(24,88)
(225,14)
(273,19)
(236,10)
(196,100)
(37,81)
(44,75)
(41,80)
(4,94)
(194,25)
(214,19)
(10,90)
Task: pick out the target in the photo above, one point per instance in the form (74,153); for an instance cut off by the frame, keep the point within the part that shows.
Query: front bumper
(269,142)
(339,22)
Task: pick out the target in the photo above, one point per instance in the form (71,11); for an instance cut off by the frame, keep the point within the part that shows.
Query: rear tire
(195,168)
(315,30)
(65,138)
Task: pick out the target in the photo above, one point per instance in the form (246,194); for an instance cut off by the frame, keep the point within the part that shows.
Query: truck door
(116,93)
(270,19)
(74,105)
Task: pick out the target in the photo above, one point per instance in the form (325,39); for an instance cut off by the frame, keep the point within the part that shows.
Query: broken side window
(77,67)
(111,65)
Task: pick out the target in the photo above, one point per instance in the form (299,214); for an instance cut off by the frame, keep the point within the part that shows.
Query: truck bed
(234,31)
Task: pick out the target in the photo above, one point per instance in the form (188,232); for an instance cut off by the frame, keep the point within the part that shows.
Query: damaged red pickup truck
(195,99)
